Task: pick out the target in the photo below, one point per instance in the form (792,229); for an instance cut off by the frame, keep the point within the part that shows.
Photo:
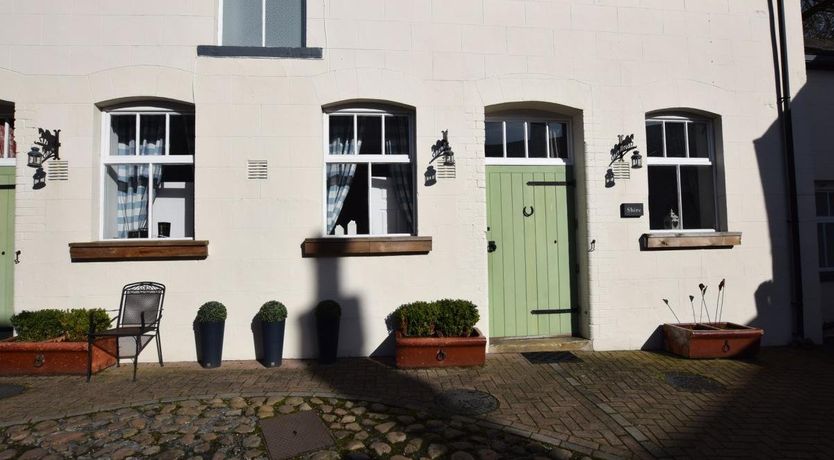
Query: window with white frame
(825,225)
(147,173)
(681,170)
(274,23)
(369,172)
(513,140)
(8,147)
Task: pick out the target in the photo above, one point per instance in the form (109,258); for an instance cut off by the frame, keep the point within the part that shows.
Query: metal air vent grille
(57,170)
(257,169)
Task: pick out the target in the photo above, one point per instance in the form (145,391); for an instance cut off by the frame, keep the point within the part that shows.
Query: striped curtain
(133,179)
(396,139)
(339,175)
(7,136)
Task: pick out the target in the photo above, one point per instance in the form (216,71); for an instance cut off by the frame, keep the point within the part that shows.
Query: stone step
(526,344)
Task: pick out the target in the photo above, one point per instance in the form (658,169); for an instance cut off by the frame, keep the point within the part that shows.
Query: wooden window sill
(114,251)
(705,240)
(370,246)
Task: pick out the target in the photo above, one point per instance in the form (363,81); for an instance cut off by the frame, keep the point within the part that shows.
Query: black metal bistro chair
(139,315)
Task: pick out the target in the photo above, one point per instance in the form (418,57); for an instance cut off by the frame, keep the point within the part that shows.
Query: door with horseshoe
(530,251)
(7,248)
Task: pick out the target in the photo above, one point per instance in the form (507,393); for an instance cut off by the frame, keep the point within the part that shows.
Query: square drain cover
(8,390)
(288,436)
(551,357)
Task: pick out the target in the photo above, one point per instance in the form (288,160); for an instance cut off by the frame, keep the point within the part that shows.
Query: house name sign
(631,210)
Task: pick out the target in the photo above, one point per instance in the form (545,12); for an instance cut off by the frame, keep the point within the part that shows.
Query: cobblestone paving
(604,405)
(228,428)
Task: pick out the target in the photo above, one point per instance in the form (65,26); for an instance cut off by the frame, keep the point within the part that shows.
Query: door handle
(491,246)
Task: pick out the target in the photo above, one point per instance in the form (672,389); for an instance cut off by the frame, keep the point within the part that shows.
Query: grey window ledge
(705,240)
(259,52)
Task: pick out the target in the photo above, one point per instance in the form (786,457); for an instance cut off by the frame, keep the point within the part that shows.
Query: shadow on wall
(777,404)
(773,298)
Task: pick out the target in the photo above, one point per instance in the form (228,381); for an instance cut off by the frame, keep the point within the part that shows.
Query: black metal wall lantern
(609,178)
(430,176)
(49,142)
(636,160)
(39,179)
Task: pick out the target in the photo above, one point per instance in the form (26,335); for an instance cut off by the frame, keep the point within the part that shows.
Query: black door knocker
(526,213)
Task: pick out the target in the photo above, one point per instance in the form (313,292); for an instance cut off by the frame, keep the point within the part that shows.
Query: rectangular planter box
(54,358)
(415,352)
(712,340)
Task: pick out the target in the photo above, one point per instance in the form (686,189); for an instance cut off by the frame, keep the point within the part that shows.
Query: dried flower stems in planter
(714,338)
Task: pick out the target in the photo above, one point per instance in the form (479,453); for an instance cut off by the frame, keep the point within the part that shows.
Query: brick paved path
(616,404)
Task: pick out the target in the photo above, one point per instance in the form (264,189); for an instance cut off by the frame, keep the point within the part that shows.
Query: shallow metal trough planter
(54,357)
(712,340)
(415,352)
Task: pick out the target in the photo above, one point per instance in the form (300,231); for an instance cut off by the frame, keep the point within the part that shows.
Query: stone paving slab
(605,405)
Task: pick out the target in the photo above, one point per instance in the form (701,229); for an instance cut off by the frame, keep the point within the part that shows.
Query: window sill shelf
(115,251)
(259,52)
(706,240)
(369,246)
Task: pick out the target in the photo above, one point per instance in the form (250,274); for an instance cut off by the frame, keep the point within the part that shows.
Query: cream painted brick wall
(612,61)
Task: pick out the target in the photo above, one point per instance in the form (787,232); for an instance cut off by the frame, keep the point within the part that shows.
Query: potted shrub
(268,330)
(208,333)
(51,342)
(438,334)
(328,315)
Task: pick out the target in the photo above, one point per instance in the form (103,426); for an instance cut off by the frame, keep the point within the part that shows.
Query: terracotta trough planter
(441,351)
(712,340)
(54,358)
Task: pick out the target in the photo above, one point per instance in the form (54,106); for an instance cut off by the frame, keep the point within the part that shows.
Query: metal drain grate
(289,436)
(8,390)
(466,402)
(693,383)
(551,357)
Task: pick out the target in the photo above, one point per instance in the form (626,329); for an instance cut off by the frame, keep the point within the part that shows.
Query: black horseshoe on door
(527,214)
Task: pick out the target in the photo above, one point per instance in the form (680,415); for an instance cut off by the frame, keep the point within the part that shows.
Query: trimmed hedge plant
(328,309)
(70,325)
(443,318)
(211,312)
(272,312)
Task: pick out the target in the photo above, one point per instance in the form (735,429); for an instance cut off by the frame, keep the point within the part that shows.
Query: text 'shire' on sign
(631,210)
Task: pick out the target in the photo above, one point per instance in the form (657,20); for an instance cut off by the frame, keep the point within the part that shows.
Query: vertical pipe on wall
(783,93)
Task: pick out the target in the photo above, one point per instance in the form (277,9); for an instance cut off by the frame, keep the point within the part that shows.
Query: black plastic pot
(209,339)
(269,342)
(328,338)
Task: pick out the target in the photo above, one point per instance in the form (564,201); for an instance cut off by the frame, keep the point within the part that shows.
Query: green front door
(7,249)
(529,230)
